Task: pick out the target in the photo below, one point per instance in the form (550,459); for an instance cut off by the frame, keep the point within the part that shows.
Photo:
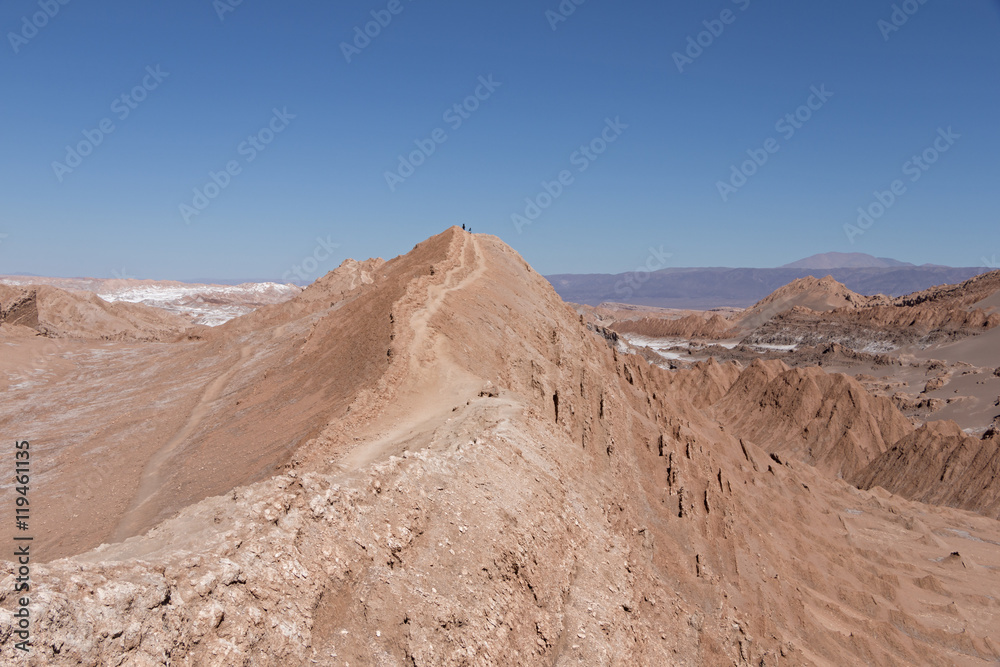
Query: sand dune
(57,313)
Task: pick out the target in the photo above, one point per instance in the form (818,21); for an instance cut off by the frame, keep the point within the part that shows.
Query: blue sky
(229,76)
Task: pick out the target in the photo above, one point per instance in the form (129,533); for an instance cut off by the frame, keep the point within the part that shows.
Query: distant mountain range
(714,287)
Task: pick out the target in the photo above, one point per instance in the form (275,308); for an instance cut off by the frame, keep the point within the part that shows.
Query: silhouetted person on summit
(463,226)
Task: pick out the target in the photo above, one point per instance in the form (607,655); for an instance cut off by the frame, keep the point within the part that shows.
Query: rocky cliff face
(826,420)
(940,464)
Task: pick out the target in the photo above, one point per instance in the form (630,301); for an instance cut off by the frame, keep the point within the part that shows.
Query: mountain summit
(845,260)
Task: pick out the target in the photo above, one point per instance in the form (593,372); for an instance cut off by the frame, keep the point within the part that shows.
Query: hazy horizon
(229,280)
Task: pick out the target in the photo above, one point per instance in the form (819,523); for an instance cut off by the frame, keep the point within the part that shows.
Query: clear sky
(309,129)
